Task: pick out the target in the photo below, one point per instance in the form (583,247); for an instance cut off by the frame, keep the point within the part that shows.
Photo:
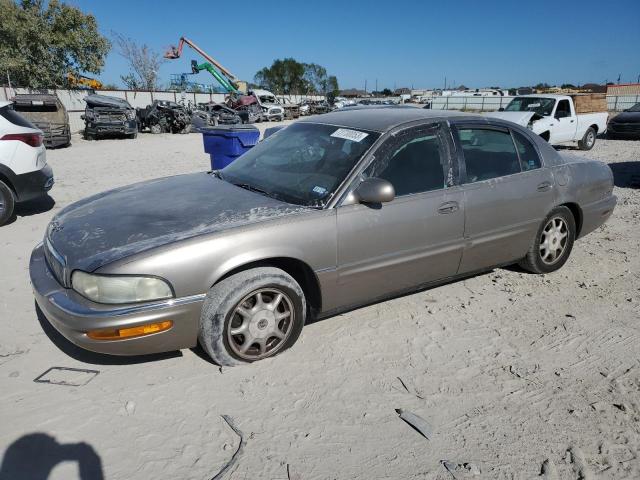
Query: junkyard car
(625,124)
(24,171)
(326,214)
(164,116)
(47,113)
(108,116)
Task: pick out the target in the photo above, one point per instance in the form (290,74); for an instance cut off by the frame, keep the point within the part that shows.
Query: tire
(89,136)
(588,140)
(156,128)
(132,136)
(535,261)
(7,203)
(220,316)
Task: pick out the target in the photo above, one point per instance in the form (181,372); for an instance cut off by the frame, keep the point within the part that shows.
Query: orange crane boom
(175,52)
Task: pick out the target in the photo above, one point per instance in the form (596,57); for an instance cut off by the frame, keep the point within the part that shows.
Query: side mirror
(501,109)
(375,190)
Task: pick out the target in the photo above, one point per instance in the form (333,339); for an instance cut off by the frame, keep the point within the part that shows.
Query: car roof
(382,118)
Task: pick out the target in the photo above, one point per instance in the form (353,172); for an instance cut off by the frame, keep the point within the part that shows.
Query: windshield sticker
(348,134)
(319,190)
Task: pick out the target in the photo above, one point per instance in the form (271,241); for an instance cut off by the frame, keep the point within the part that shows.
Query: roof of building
(381,118)
(624,89)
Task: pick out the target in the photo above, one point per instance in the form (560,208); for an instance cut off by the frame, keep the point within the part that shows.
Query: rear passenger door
(507,190)
(412,240)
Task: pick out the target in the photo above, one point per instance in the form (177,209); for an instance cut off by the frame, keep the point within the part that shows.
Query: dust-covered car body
(345,237)
(108,116)
(47,113)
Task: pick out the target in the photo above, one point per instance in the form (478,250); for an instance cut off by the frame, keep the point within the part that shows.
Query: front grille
(113,118)
(625,127)
(55,263)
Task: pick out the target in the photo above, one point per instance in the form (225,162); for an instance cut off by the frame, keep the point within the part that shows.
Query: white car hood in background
(521,118)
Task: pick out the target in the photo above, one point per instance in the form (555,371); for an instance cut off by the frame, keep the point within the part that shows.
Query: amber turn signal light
(129,332)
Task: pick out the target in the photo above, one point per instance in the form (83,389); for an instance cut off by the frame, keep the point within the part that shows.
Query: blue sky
(399,43)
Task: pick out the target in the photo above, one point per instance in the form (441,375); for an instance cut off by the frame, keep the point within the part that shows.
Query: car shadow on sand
(32,207)
(35,455)
(626,174)
(93,358)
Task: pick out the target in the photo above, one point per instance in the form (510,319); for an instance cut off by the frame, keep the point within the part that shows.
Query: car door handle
(448,207)
(544,186)
(571,121)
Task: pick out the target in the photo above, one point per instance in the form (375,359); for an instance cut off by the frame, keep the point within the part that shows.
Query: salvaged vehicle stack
(327,214)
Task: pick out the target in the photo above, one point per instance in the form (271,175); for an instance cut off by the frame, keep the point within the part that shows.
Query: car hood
(521,118)
(116,224)
(627,117)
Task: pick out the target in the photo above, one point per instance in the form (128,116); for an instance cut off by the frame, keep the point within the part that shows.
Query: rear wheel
(252,315)
(588,140)
(553,242)
(7,203)
(156,128)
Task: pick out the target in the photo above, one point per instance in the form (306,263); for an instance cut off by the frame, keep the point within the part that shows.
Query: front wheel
(588,140)
(553,243)
(252,315)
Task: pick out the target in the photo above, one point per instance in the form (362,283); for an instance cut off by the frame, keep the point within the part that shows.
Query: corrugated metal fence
(73,100)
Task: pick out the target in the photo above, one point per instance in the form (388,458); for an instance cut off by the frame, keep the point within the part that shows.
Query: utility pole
(376,84)
(365,86)
(445,82)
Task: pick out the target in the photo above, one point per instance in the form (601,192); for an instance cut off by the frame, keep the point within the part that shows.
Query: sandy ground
(516,374)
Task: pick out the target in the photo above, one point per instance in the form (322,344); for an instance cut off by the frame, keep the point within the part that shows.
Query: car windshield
(635,108)
(302,164)
(267,99)
(542,106)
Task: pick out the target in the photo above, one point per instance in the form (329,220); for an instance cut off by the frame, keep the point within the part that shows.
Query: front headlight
(131,114)
(116,289)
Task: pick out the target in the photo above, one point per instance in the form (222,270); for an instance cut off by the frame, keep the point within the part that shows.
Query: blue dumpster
(225,143)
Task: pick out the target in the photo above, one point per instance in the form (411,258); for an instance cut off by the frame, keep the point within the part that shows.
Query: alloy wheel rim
(260,324)
(590,138)
(553,241)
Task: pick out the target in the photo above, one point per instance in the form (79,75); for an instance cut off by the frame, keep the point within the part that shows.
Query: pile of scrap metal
(291,109)
(314,107)
(46,112)
(108,116)
(213,114)
(164,116)
(245,103)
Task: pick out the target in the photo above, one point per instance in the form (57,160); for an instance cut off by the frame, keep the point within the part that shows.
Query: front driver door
(414,239)
(565,129)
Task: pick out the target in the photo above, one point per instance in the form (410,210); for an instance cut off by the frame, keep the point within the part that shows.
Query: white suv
(24,173)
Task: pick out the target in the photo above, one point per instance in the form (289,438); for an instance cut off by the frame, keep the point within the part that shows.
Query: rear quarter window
(528,156)
(13,117)
(488,153)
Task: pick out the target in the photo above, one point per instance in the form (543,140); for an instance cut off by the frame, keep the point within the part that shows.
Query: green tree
(41,42)
(288,76)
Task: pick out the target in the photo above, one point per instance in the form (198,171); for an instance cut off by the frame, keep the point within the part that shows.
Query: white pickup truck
(554,117)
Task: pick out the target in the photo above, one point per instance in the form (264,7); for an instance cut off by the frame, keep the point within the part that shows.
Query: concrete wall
(73,100)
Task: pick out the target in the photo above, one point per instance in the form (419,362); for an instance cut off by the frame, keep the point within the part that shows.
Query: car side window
(488,153)
(529,158)
(414,165)
(564,109)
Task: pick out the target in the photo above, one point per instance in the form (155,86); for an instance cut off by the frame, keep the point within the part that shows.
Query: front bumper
(33,184)
(125,128)
(73,316)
